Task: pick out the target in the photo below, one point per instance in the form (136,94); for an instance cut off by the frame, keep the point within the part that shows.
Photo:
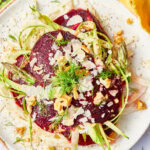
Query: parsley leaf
(105,74)
(62,42)
(18,139)
(60,118)
(67,79)
(12,37)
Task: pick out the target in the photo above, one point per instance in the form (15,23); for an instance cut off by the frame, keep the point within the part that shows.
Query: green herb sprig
(105,74)
(12,37)
(18,139)
(67,79)
(60,118)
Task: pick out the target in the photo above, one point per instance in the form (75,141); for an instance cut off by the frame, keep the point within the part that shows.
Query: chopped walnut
(67,148)
(61,102)
(118,39)
(75,92)
(129,21)
(86,49)
(98,98)
(141,105)
(21,130)
(31,101)
(51,148)
(130,53)
(62,61)
(106,82)
(119,33)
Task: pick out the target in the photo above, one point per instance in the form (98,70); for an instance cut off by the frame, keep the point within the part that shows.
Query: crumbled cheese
(113,92)
(48,102)
(85,84)
(109,51)
(88,94)
(110,104)
(54,46)
(50,54)
(53,60)
(34,116)
(83,103)
(88,64)
(98,61)
(38,91)
(66,17)
(100,69)
(94,73)
(106,82)
(74,20)
(68,122)
(93,120)
(38,68)
(87,114)
(46,77)
(79,112)
(33,61)
(103,115)
(83,120)
(97,82)
(81,97)
(112,110)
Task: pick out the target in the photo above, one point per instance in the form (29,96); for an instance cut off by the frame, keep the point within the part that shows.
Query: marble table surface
(144,142)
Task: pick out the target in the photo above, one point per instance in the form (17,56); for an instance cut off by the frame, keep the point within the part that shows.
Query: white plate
(113,16)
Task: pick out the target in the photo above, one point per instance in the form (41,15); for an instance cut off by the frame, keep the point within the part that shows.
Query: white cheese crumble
(94,73)
(85,84)
(74,20)
(57,56)
(38,91)
(88,94)
(103,115)
(33,61)
(110,104)
(34,116)
(55,46)
(88,64)
(100,69)
(66,17)
(109,51)
(97,82)
(93,120)
(79,112)
(81,97)
(87,114)
(77,51)
(83,120)
(83,103)
(113,92)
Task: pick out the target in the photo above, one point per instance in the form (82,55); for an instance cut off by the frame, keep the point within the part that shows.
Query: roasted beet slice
(40,65)
(84,14)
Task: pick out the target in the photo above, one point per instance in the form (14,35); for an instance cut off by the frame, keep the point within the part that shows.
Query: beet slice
(84,14)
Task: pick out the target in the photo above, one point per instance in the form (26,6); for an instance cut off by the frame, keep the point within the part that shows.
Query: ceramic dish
(135,124)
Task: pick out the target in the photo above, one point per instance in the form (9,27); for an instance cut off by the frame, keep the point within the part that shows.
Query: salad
(73,81)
